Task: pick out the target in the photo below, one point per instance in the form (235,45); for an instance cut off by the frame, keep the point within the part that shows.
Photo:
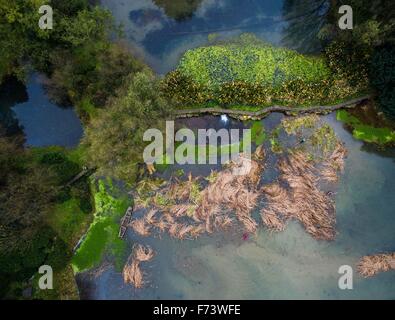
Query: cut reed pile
(301,200)
(186,209)
(368,266)
(334,164)
(131,271)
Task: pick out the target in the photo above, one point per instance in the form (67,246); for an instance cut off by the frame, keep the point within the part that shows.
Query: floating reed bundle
(334,164)
(142,253)
(303,201)
(368,266)
(185,210)
(141,227)
(131,272)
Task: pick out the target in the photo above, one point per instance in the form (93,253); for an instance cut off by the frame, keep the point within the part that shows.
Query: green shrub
(250,72)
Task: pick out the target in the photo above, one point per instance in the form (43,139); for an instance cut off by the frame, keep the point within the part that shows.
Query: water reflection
(179,9)
(28,109)
(162,30)
(305,19)
(12,92)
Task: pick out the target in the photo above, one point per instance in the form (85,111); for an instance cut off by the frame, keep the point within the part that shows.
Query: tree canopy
(115,136)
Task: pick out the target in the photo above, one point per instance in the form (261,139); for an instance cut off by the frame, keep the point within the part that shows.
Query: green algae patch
(367,133)
(258,134)
(102,236)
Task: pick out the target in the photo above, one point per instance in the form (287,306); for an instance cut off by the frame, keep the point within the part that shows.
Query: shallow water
(285,265)
(28,109)
(161,35)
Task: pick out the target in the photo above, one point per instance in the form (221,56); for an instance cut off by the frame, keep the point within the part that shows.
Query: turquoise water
(286,265)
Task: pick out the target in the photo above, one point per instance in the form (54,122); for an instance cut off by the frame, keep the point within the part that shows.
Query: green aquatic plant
(324,140)
(275,145)
(367,133)
(212,176)
(195,192)
(102,235)
(253,73)
(258,134)
(296,125)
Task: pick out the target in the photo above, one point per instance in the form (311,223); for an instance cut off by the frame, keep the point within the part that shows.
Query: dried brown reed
(197,231)
(131,271)
(149,217)
(304,201)
(334,164)
(174,229)
(272,221)
(184,231)
(161,225)
(140,226)
(132,274)
(142,253)
(368,266)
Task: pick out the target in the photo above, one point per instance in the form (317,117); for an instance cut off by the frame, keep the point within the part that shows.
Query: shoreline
(260,114)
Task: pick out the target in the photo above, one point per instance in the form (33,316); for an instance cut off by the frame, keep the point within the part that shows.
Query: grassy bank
(50,215)
(102,236)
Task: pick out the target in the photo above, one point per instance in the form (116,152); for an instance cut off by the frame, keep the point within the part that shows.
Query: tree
(114,138)
(382,75)
(179,9)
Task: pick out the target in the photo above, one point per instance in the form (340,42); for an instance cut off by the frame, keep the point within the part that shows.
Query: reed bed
(369,266)
(132,273)
(302,200)
(141,227)
(187,209)
(334,164)
(142,253)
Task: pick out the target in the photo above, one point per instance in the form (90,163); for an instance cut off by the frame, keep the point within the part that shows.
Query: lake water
(285,265)
(27,109)
(162,30)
